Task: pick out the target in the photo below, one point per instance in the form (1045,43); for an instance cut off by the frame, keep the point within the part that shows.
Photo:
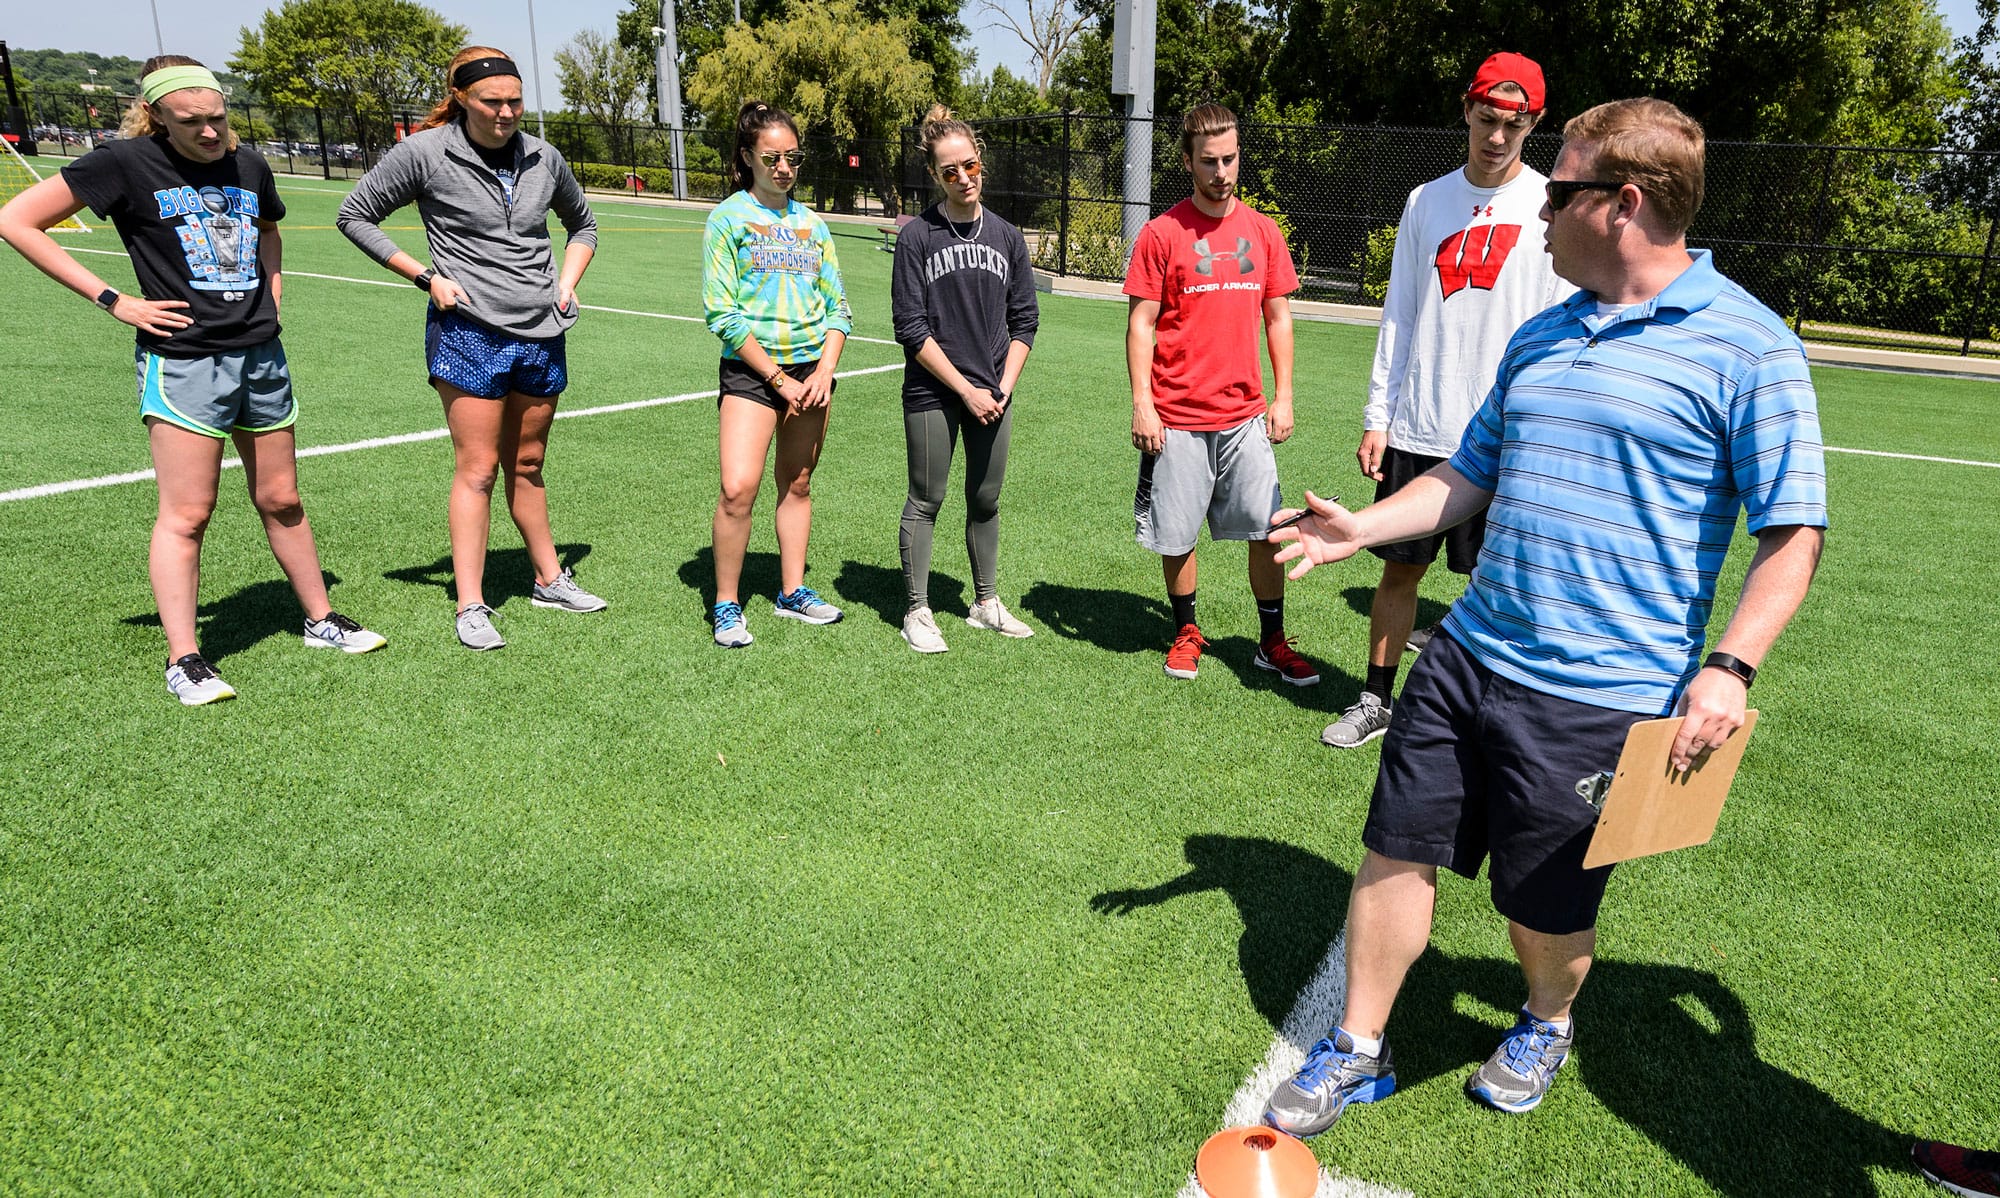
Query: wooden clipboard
(1652,808)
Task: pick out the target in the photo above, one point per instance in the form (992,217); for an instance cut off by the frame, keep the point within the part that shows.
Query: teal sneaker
(805,604)
(732,631)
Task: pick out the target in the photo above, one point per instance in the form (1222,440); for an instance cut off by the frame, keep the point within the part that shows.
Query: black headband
(482,68)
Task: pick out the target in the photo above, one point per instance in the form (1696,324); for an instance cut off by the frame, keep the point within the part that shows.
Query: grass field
(612,910)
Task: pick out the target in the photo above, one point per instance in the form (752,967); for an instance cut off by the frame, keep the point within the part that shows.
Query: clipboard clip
(1593,788)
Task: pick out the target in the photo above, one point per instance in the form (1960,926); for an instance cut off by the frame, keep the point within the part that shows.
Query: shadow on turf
(1669,1051)
(1118,621)
(881,590)
(1361,600)
(509,573)
(758,580)
(237,622)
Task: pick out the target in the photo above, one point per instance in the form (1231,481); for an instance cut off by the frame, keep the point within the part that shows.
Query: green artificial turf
(613,910)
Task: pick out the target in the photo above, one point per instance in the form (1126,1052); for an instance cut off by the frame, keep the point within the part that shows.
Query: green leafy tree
(999,93)
(358,61)
(699,29)
(604,81)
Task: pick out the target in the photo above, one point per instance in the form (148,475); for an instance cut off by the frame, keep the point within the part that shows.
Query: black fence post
(1815,255)
(1979,288)
(319,126)
(1062,220)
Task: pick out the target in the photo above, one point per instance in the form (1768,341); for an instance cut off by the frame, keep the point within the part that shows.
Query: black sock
(1381,681)
(1183,610)
(1271,617)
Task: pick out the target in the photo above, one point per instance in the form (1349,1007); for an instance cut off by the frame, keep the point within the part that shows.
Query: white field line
(433,434)
(1312,1013)
(1914,457)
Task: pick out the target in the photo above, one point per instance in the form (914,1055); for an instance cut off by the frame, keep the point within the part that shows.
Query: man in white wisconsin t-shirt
(1469,269)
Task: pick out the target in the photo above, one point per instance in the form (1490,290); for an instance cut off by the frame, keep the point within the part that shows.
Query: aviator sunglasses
(951,171)
(793,158)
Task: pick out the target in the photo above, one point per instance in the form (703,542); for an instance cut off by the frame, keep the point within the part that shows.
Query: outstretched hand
(1330,534)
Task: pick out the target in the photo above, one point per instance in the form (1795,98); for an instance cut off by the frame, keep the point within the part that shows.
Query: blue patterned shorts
(481,362)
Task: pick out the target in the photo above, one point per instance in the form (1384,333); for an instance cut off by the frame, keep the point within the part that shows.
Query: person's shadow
(759,577)
(1336,690)
(880,589)
(509,573)
(1117,621)
(1668,1050)
(1361,601)
(233,623)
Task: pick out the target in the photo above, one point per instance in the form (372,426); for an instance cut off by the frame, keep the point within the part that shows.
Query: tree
(360,61)
(839,74)
(699,27)
(1049,29)
(606,82)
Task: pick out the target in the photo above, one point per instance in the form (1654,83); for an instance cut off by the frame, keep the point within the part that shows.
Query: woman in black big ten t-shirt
(198,216)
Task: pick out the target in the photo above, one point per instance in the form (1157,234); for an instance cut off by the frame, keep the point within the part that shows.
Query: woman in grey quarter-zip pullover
(494,329)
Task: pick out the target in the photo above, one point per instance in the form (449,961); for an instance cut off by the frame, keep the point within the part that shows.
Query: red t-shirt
(1211,278)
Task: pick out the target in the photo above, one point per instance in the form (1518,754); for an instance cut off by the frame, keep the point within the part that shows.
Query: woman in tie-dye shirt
(771,285)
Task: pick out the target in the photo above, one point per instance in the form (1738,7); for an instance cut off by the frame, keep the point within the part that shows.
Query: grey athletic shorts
(1228,477)
(247,390)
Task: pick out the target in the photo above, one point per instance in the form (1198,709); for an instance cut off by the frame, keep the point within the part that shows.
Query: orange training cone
(1256,1162)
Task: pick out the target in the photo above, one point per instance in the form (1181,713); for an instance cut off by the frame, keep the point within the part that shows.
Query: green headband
(173,79)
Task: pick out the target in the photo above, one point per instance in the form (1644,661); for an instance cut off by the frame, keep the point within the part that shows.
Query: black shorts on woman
(736,378)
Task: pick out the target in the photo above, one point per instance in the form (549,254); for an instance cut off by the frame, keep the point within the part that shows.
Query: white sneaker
(921,631)
(993,614)
(338,632)
(194,682)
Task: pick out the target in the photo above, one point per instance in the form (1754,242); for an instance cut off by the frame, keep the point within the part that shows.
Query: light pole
(668,76)
(535,52)
(159,42)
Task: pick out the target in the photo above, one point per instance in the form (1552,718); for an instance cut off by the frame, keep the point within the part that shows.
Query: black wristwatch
(1734,665)
(107,299)
(423,280)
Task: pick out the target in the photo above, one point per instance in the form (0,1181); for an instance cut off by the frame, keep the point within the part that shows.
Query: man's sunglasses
(1562,191)
(793,158)
(951,171)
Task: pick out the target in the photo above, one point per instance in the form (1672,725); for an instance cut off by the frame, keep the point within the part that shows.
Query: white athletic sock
(1362,1044)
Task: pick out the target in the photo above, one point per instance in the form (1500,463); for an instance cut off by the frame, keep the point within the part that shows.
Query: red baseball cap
(1517,69)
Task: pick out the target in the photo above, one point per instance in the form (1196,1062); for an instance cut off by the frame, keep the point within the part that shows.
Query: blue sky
(126,27)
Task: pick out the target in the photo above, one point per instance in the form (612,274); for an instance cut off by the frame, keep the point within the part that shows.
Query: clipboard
(1651,808)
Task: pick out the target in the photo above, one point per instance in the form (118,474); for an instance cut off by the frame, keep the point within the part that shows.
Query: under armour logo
(1244,263)
(1473,258)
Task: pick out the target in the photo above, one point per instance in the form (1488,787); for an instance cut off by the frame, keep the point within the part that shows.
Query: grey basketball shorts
(1228,477)
(245,390)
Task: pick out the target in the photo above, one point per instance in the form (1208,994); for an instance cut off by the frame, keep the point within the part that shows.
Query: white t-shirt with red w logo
(1469,269)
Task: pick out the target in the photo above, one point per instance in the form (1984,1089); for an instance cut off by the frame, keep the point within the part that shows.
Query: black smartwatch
(107,299)
(423,280)
(1734,665)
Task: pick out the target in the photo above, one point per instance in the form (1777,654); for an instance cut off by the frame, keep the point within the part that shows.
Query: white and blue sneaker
(1517,1076)
(335,631)
(1333,1076)
(805,604)
(732,631)
(194,682)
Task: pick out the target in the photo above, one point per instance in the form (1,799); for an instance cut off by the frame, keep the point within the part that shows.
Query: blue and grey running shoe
(805,604)
(1333,1076)
(732,631)
(1519,1072)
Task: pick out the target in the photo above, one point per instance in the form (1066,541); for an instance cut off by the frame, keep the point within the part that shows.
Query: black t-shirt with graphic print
(191,230)
(501,162)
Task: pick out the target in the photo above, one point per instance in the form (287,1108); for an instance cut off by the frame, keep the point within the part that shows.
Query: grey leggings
(931,437)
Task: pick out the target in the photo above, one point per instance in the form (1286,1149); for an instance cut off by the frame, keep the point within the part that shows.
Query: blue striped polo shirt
(1619,450)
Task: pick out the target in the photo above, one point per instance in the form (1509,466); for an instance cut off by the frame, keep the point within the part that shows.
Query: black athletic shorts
(1461,544)
(1474,765)
(738,379)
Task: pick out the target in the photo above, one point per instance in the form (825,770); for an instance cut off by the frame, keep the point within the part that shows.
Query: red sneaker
(1960,1170)
(1277,654)
(1184,659)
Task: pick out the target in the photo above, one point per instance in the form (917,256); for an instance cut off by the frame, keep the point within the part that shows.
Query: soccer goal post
(16,176)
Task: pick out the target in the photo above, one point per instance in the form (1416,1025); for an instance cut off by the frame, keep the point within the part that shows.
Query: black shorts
(736,378)
(1477,764)
(1461,543)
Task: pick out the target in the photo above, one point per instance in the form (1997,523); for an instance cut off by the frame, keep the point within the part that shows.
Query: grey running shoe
(338,632)
(1333,1076)
(1359,724)
(805,604)
(475,628)
(991,614)
(921,631)
(1421,638)
(564,595)
(732,631)
(194,682)
(1519,1072)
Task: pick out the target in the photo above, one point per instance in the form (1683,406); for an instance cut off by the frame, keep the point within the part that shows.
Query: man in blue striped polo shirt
(1625,430)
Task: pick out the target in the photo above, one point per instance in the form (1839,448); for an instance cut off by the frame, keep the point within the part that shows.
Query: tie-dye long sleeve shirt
(772,276)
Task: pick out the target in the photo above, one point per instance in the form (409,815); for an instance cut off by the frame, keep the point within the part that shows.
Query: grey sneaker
(805,604)
(475,628)
(991,614)
(1421,638)
(1359,724)
(1518,1074)
(564,595)
(732,631)
(194,682)
(338,632)
(921,631)
(1333,1076)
